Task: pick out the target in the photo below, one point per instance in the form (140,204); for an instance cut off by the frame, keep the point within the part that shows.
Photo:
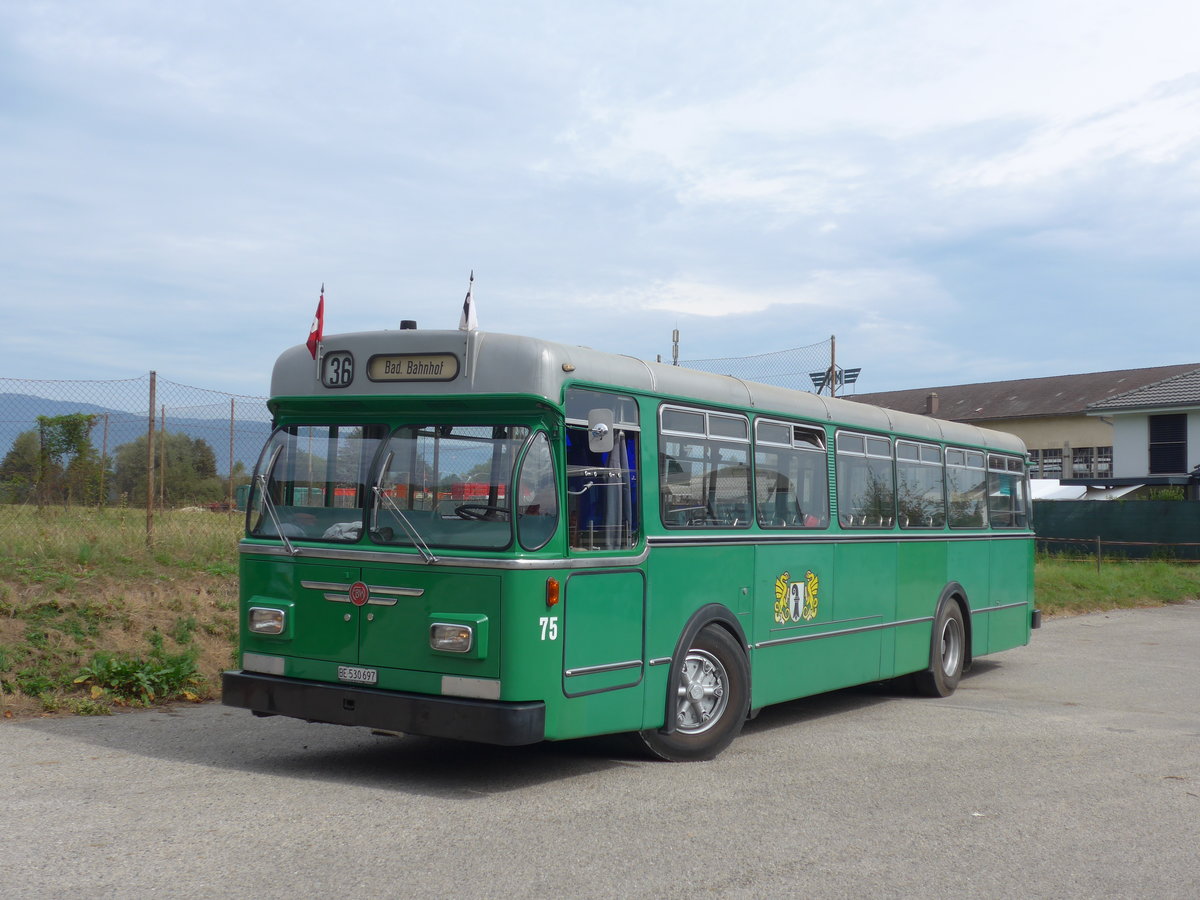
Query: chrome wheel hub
(952,646)
(702,698)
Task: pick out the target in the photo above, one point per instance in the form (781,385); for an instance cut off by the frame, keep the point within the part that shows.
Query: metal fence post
(150,466)
(231,421)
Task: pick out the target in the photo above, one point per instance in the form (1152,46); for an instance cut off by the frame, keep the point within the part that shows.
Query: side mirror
(600,430)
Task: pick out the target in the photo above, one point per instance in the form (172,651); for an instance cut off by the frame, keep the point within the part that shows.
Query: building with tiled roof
(1156,430)
(1176,390)
(1061,418)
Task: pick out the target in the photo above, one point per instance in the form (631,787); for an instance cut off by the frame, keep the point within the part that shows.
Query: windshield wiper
(409,528)
(270,504)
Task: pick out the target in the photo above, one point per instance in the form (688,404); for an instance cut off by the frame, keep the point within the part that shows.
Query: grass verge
(1074,586)
(91,618)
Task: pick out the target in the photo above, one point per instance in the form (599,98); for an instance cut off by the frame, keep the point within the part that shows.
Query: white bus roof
(492,363)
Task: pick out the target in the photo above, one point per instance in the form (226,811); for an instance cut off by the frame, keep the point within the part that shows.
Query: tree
(54,462)
(190,475)
(19,470)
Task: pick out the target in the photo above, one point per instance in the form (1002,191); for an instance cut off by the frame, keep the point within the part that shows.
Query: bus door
(604,612)
(604,602)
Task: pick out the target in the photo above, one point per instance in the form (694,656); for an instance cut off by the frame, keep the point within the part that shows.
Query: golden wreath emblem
(796,600)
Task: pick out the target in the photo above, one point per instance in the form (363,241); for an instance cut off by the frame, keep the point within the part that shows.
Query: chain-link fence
(800,368)
(155,447)
(144,444)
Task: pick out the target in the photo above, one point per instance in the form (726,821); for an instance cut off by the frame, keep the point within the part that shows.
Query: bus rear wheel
(947,652)
(710,696)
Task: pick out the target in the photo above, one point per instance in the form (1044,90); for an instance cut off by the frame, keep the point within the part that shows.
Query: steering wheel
(479,510)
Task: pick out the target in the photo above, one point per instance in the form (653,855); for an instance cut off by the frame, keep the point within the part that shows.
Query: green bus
(502,539)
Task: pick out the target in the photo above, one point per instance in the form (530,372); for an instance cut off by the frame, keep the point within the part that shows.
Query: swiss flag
(318,326)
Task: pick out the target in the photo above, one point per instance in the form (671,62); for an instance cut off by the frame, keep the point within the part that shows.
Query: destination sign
(413,367)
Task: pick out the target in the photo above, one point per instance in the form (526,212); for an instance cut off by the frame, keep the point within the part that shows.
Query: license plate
(357,675)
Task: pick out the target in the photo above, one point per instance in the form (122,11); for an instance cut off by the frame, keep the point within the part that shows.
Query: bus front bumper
(486,721)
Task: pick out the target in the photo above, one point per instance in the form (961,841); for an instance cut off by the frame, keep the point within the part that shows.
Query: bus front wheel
(947,652)
(710,696)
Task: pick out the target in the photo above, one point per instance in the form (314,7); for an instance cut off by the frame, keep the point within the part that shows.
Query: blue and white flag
(469,322)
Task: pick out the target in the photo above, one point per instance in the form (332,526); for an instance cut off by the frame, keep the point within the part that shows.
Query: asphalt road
(1069,768)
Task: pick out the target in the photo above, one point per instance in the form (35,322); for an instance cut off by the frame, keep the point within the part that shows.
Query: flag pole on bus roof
(316,331)
(469,321)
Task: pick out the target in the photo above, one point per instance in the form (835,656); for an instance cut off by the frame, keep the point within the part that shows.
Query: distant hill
(19,412)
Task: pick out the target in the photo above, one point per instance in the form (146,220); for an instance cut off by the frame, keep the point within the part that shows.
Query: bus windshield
(445,485)
(451,483)
(312,482)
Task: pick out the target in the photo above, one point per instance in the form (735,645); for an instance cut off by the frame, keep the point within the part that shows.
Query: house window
(1168,444)
(1051,464)
(1081,465)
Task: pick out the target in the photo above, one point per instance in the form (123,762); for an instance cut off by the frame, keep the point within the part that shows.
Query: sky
(959,191)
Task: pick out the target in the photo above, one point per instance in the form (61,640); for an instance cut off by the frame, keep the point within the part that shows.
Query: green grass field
(1072,586)
(92,618)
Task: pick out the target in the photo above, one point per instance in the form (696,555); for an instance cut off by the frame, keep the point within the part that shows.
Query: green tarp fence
(1136,529)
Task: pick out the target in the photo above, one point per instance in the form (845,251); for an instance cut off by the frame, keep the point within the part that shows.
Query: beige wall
(1050,433)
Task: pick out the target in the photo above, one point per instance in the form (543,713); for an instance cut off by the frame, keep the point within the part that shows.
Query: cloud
(760,177)
(825,130)
(844,291)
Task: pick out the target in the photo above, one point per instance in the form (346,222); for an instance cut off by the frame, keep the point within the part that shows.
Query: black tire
(712,693)
(947,653)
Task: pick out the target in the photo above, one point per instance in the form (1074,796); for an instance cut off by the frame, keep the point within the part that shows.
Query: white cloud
(1160,129)
(852,292)
(886,172)
(1076,84)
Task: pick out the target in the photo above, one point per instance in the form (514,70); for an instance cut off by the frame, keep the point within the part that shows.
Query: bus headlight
(451,638)
(265,620)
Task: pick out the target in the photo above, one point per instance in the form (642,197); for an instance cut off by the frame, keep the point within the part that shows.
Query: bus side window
(602,492)
(1006,492)
(704,468)
(865,481)
(921,489)
(966,487)
(791,475)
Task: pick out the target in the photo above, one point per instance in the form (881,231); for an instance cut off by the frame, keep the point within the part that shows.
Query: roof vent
(408,325)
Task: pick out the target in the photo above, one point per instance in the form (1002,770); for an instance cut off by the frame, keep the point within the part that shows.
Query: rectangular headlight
(266,620)
(451,638)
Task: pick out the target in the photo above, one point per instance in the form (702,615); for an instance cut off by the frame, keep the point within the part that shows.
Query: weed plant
(140,681)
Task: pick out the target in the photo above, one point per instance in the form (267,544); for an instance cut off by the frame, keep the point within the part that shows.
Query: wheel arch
(709,614)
